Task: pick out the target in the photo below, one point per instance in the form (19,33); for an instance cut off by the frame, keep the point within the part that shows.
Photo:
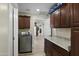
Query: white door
(15,32)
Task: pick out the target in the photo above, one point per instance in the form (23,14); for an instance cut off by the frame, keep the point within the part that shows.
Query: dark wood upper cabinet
(21,25)
(68,16)
(24,22)
(27,22)
(61,18)
(55,19)
(65,15)
(51,20)
(75,14)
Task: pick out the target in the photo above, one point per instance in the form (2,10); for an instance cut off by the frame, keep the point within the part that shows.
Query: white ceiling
(31,7)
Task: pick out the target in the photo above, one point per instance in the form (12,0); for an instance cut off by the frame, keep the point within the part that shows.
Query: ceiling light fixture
(37,9)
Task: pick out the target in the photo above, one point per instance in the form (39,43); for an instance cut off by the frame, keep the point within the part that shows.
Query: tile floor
(37,47)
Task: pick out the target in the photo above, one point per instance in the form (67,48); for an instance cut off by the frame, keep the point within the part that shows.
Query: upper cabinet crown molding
(55,7)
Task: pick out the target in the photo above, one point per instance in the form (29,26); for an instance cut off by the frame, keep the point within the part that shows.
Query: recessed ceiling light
(37,9)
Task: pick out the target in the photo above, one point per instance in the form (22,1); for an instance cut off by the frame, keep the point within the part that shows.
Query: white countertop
(63,43)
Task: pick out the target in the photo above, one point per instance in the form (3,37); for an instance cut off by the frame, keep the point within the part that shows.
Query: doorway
(38,28)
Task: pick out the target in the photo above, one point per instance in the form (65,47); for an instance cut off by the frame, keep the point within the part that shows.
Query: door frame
(15,32)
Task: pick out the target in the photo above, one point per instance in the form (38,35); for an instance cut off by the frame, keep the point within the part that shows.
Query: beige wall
(4,29)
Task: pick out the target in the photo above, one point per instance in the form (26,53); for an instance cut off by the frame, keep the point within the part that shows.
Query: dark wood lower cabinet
(75,41)
(47,48)
(52,49)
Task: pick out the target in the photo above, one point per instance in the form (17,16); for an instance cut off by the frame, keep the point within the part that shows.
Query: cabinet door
(75,41)
(21,22)
(27,21)
(24,22)
(56,53)
(52,49)
(76,14)
(57,18)
(52,20)
(48,48)
(65,15)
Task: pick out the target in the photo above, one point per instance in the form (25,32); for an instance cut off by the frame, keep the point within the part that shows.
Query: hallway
(35,13)
(37,47)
